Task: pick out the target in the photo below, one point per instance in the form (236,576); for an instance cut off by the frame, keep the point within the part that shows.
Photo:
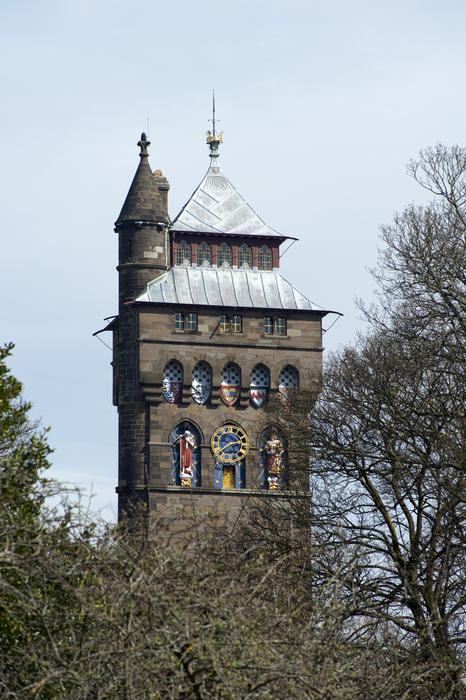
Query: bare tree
(384,441)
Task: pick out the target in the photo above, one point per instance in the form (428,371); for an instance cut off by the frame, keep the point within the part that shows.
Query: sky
(322,105)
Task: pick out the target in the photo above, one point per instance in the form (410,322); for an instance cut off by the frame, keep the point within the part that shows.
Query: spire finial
(213,112)
(211,137)
(143,145)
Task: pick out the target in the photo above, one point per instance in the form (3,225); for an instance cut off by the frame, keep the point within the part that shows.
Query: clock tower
(207,329)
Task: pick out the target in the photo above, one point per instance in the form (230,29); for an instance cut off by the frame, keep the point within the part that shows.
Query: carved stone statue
(274,450)
(187,443)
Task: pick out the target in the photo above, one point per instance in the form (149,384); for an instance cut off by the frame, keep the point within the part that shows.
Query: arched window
(272,459)
(183,253)
(288,381)
(264,258)
(201,383)
(204,254)
(231,382)
(185,442)
(224,255)
(244,256)
(259,385)
(172,382)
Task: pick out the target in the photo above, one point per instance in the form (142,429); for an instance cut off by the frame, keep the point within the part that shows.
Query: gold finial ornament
(158,173)
(210,137)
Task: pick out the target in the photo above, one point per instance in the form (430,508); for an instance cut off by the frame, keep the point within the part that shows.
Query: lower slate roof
(211,286)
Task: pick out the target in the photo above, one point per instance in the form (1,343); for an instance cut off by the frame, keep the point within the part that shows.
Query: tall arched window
(272,459)
(288,380)
(224,255)
(172,381)
(183,253)
(259,385)
(201,383)
(231,382)
(244,256)
(264,258)
(204,254)
(185,441)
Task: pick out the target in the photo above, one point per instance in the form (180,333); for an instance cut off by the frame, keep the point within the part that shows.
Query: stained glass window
(183,253)
(244,256)
(264,258)
(224,254)
(204,253)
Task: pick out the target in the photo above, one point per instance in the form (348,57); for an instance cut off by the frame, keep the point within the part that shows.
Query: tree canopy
(384,440)
(354,590)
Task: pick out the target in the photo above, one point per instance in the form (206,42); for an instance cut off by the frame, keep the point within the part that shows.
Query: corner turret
(142,229)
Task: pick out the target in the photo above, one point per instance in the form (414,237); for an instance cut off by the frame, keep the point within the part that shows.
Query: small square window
(224,325)
(280,326)
(179,322)
(268,325)
(236,325)
(191,322)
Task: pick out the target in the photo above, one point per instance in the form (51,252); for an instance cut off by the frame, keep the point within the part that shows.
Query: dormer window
(204,254)
(224,255)
(183,253)
(244,256)
(264,258)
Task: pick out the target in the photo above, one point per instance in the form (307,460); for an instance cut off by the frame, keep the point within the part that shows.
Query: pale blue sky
(321,104)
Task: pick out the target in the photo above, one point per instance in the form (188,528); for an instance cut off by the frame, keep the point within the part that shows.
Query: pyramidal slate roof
(212,286)
(217,206)
(143,201)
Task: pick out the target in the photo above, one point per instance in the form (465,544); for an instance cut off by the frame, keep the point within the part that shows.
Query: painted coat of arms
(229,393)
(201,383)
(171,390)
(230,384)
(259,395)
(172,381)
(259,387)
(287,383)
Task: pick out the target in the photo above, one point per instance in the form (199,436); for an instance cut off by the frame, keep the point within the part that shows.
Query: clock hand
(232,442)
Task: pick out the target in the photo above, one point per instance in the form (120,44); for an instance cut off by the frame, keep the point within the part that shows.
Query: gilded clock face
(229,443)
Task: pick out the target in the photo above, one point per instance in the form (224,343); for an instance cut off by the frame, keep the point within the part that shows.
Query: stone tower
(207,328)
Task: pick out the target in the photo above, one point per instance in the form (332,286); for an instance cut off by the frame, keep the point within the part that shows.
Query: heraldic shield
(229,387)
(202,383)
(172,381)
(259,385)
(287,382)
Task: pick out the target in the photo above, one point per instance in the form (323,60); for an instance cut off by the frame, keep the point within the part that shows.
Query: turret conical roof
(144,201)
